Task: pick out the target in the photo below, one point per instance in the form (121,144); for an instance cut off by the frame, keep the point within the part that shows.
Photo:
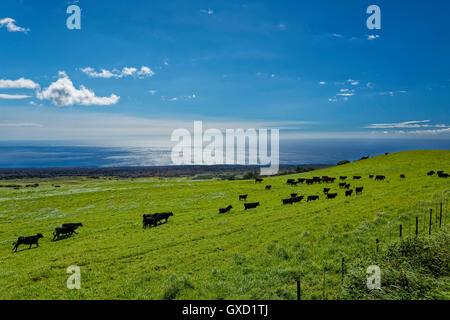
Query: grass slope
(200,254)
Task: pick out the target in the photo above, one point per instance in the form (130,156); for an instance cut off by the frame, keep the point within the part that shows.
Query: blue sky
(313,69)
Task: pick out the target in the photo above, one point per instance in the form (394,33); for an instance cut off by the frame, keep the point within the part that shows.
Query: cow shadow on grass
(24,249)
(62,237)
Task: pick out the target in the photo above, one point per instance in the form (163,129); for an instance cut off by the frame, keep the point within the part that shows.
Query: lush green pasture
(199,253)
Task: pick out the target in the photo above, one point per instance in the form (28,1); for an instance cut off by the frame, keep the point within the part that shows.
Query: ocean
(50,154)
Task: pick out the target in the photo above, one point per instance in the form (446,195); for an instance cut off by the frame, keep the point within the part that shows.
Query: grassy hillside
(201,254)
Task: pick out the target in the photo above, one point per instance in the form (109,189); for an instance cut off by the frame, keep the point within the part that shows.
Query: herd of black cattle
(67,229)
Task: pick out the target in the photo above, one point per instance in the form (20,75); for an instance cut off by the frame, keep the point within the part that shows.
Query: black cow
(347,186)
(30,240)
(223,210)
(402,176)
(371,176)
(380,177)
(312,198)
(288,201)
(62,231)
(243,196)
(293,195)
(430,173)
(301,180)
(342,184)
(290,181)
(325,190)
(356,177)
(251,205)
(297,199)
(359,190)
(268,187)
(331,195)
(163,216)
(258,180)
(72,226)
(148,221)
(348,193)
(309,181)
(443,175)
(343,177)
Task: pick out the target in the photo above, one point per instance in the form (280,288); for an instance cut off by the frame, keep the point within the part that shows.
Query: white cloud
(282,26)
(21,83)
(353,82)
(208,12)
(13,96)
(152,92)
(11,26)
(337,35)
(20,124)
(391,93)
(322,83)
(63,93)
(372,36)
(144,72)
(406,125)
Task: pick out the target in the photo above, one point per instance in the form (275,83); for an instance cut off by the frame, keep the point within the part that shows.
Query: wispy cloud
(11,26)
(208,12)
(20,124)
(144,72)
(373,36)
(13,96)
(406,125)
(63,93)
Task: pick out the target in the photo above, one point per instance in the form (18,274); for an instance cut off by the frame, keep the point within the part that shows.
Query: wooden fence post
(343,268)
(323,293)
(377,241)
(299,292)
(417,226)
(429,228)
(400,230)
(440,217)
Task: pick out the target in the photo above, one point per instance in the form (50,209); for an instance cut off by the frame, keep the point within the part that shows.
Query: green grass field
(201,254)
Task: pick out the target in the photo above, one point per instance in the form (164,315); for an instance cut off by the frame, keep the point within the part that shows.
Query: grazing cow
(224,210)
(148,221)
(258,180)
(293,195)
(430,173)
(294,183)
(443,175)
(331,195)
(347,186)
(72,226)
(297,199)
(371,176)
(301,180)
(359,190)
(243,196)
(309,181)
(268,187)
(317,179)
(288,201)
(290,181)
(348,193)
(251,205)
(402,176)
(61,231)
(342,185)
(440,171)
(162,216)
(27,240)
(325,190)
(343,177)
(380,177)
(356,177)
(312,198)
